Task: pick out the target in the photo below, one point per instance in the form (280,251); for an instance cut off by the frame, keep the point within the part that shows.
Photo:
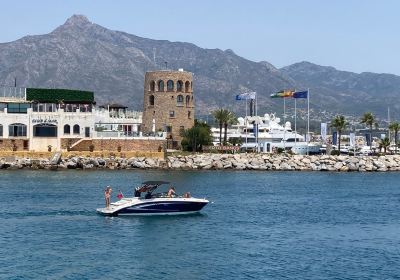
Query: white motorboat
(153,203)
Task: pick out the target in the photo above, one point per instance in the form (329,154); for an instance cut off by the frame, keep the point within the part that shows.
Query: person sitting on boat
(187,195)
(171,192)
(120,195)
(137,192)
(148,195)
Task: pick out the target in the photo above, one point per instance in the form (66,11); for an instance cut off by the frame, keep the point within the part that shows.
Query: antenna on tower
(154,56)
(166,65)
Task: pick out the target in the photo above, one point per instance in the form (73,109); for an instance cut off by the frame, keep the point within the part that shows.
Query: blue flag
(246,96)
(334,138)
(300,94)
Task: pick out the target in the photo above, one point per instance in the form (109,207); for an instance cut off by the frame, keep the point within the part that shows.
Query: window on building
(160,85)
(151,100)
(189,115)
(1,130)
(45,130)
(179,86)
(26,144)
(172,114)
(170,85)
(67,129)
(51,107)
(18,108)
(169,128)
(152,86)
(3,106)
(187,86)
(179,100)
(76,129)
(187,100)
(17,130)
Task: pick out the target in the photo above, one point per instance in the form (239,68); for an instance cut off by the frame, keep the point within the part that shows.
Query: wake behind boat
(154,203)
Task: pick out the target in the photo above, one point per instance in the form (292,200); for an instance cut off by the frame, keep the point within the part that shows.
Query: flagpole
(255,110)
(295,122)
(284,124)
(308,119)
(245,123)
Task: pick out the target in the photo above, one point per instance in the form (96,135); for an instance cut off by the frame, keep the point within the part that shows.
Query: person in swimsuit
(107,195)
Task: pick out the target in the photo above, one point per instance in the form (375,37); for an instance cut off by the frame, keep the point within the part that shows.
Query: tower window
(160,85)
(172,114)
(179,100)
(187,100)
(170,85)
(151,100)
(179,86)
(189,114)
(152,86)
(187,86)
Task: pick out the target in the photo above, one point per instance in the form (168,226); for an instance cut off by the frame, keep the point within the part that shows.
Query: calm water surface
(262,225)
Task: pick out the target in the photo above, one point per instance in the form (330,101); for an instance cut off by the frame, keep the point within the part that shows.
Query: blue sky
(351,35)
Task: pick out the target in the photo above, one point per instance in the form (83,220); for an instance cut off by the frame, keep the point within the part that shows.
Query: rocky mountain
(83,55)
(347,92)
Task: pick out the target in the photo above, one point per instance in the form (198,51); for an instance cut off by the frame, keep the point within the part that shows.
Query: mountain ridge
(84,55)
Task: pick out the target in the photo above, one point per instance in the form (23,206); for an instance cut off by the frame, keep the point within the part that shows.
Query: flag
(300,94)
(368,138)
(283,94)
(334,138)
(323,132)
(352,139)
(246,96)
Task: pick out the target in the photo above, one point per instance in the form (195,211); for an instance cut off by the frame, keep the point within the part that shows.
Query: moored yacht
(154,203)
(266,134)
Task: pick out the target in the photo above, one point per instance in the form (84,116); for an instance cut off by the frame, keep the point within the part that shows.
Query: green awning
(49,95)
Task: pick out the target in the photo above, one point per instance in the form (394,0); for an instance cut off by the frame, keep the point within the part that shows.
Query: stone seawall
(216,162)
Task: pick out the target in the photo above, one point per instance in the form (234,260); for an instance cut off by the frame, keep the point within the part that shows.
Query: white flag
(323,132)
(352,139)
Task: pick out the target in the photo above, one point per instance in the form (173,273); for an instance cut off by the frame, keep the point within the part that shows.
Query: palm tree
(231,119)
(370,120)
(221,116)
(395,127)
(340,124)
(385,142)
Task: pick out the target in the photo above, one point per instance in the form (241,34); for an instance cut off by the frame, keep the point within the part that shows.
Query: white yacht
(266,134)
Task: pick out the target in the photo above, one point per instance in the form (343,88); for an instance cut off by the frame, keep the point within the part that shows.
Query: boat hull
(166,206)
(163,208)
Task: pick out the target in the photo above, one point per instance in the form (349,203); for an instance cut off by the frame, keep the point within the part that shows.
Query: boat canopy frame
(150,186)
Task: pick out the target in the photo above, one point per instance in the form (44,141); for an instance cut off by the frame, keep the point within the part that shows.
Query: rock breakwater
(218,162)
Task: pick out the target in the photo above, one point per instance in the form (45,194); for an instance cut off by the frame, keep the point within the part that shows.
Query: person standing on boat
(107,195)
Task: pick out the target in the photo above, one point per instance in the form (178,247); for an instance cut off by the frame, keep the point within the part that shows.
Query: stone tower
(168,102)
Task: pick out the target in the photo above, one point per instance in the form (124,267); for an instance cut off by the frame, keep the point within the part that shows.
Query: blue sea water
(261,225)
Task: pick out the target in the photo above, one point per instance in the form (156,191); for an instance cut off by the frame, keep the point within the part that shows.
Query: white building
(52,119)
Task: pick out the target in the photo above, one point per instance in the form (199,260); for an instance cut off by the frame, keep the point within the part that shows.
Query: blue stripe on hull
(163,207)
